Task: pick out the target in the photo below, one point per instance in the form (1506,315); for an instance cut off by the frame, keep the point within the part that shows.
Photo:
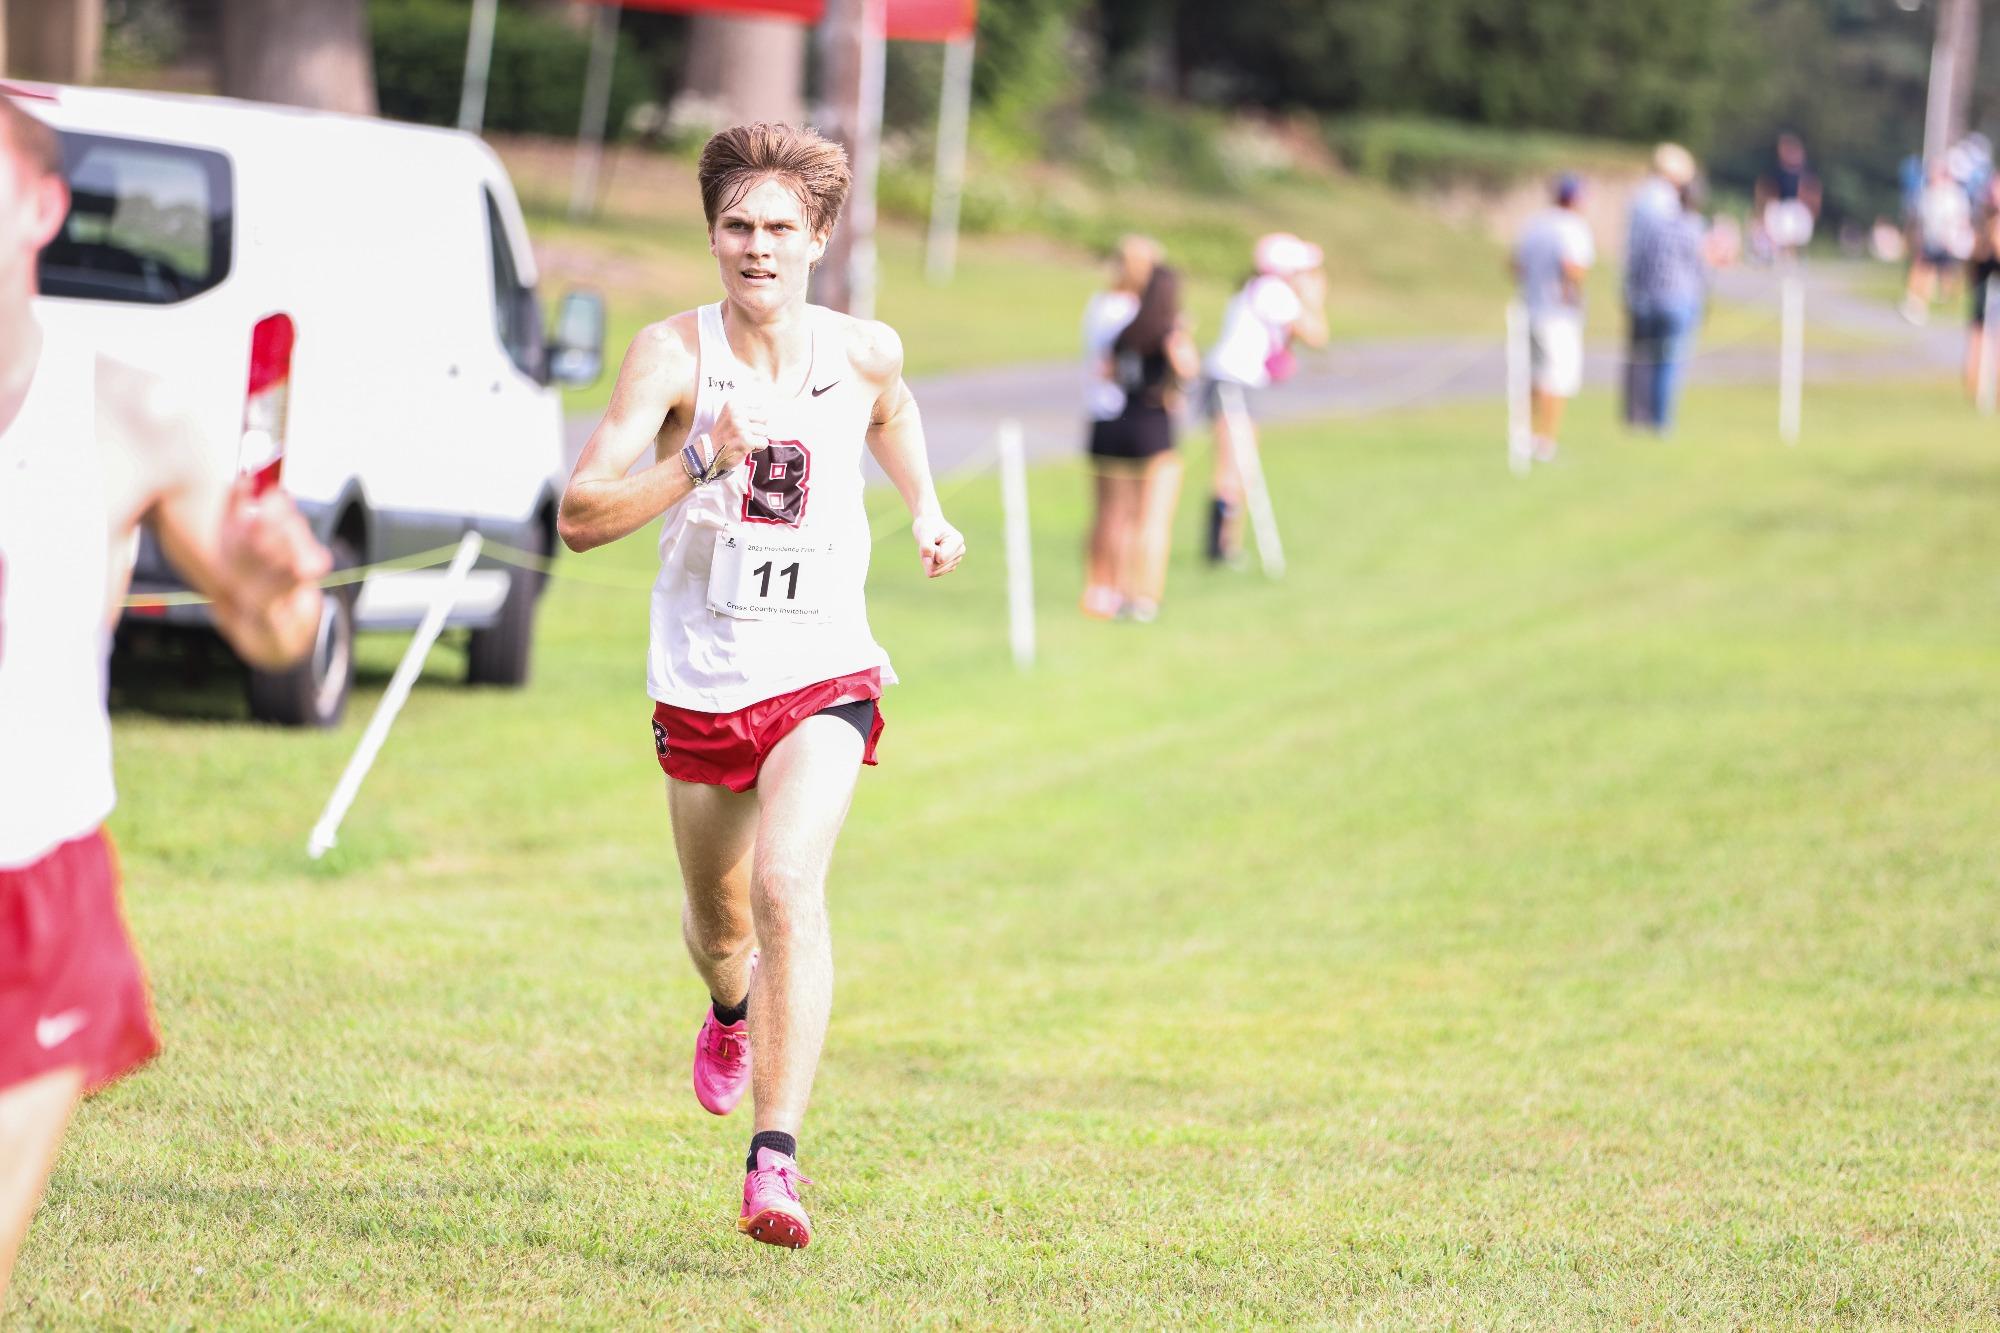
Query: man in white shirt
(1550,260)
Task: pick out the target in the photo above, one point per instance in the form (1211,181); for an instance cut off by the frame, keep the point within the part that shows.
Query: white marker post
(1250,471)
(1989,351)
(1520,440)
(1791,356)
(1020,558)
(596,110)
(948,177)
(478,63)
(392,700)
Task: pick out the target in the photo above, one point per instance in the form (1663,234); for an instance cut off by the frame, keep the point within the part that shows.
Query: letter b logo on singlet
(778,487)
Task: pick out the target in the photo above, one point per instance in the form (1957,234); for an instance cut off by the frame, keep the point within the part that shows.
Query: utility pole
(1954,59)
(852,39)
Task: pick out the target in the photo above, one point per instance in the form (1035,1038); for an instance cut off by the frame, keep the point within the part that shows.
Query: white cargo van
(349,305)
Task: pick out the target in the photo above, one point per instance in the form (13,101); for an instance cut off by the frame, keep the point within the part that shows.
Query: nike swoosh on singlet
(53,1031)
(823,388)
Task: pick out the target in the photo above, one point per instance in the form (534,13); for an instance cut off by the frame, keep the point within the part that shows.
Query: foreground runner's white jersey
(55,737)
(762,572)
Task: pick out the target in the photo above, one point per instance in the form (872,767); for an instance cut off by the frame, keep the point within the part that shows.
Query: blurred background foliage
(1411,92)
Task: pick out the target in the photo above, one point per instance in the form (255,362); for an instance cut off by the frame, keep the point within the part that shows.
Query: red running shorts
(728,749)
(72,989)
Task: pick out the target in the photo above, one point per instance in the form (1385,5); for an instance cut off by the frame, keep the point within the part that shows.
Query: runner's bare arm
(252,556)
(896,438)
(653,396)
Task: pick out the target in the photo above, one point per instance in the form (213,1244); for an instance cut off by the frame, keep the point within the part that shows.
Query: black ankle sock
(1218,514)
(726,1014)
(776,1141)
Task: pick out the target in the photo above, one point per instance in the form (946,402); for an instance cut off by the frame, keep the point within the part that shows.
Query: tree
(750,69)
(311,55)
(53,40)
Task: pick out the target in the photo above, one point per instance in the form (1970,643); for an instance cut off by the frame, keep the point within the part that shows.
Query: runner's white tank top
(806,487)
(55,737)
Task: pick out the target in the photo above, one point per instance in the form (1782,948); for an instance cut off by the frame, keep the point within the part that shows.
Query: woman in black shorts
(1984,266)
(1138,474)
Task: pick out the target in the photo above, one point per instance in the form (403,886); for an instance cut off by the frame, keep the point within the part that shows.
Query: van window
(517,316)
(148,222)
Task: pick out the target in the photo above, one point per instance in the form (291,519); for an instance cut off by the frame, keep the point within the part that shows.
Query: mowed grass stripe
(1560,901)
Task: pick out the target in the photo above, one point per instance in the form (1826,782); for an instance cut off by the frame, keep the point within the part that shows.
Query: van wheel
(314,693)
(500,655)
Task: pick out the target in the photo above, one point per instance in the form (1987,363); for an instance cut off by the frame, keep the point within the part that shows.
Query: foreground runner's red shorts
(72,990)
(728,749)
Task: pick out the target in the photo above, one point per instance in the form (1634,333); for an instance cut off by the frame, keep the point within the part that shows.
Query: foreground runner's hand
(939,545)
(740,430)
(262,567)
(268,554)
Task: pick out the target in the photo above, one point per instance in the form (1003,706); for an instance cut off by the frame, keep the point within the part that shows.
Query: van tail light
(261,453)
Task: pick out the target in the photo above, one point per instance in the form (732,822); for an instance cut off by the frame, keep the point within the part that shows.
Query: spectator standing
(1666,280)
(1550,260)
(1105,317)
(1788,199)
(1282,302)
(1138,471)
(1943,241)
(1982,269)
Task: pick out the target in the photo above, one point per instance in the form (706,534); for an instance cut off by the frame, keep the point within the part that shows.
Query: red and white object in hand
(261,452)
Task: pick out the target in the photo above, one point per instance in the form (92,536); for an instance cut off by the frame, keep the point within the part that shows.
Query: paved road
(962,409)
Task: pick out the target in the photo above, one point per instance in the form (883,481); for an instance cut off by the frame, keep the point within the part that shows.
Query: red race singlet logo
(778,488)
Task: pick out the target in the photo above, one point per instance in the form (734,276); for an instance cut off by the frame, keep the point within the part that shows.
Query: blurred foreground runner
(764,674)
(90,448)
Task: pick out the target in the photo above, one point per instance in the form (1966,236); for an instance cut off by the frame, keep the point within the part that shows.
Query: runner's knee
(717,939)
(788,902)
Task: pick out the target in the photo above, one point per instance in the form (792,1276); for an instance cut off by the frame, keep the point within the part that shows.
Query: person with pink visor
(1282,303)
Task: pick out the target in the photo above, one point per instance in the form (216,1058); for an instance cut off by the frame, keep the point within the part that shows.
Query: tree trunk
(312,55)
(1954,62)
(52,41)
(851,61)
(750,69)
(572,12)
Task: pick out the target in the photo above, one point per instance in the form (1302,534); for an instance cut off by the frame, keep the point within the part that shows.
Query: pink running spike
(771,1209)
(722,1060)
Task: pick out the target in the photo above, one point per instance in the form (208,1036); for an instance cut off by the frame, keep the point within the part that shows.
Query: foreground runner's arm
(896,438)
(252,556)
(650,408)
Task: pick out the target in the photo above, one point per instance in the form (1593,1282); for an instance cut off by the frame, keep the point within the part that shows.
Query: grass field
(1565,902)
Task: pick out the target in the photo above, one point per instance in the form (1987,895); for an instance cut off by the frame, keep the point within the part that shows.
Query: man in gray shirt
(1550,259)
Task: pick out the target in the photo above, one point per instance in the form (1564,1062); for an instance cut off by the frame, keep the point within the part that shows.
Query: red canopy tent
(908,20)
(849,272)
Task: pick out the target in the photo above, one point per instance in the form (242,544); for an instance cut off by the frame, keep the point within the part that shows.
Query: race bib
(775,577)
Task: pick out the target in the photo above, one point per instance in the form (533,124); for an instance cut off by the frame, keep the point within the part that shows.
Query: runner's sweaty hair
(737,160)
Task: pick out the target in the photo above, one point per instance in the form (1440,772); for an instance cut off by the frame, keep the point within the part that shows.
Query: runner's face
(763,247)
(32,206)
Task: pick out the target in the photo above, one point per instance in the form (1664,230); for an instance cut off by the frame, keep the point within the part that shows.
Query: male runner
(762,668)
(89,449)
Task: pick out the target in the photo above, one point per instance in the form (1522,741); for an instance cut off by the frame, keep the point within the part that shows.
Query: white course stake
(1520,443)
(1250,470)
(1989,352)
(392,700)
(1020,559)
(1791,356)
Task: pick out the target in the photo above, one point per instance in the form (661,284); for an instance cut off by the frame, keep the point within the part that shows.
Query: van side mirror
(576,341)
